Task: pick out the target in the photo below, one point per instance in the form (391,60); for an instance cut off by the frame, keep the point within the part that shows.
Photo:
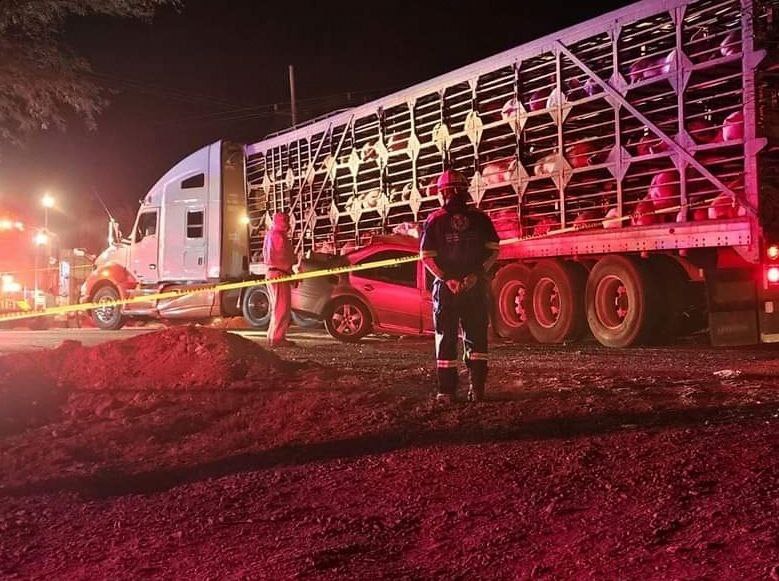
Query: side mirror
(114,234)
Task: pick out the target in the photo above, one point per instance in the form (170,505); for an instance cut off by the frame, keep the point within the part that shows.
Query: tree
(42,81)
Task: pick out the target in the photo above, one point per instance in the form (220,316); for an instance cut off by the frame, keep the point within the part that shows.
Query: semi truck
(629,164)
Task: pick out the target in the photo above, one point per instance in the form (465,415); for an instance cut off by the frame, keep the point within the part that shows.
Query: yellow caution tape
(302,275)
(172,294)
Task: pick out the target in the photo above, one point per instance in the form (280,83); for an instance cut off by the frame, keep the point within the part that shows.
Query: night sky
(215,68)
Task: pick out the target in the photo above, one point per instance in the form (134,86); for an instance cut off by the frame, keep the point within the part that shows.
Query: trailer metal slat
(491,93)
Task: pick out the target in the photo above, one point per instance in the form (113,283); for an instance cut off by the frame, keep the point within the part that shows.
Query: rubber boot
(478,370)
(447,383)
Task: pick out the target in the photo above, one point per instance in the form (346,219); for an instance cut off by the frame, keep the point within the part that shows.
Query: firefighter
(459,245)
(278,255)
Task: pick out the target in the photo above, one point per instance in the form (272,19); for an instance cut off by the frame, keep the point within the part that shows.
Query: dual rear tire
(544,303)
(622,300)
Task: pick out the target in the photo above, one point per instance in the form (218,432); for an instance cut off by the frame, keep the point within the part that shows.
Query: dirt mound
(180,358)
(35,385)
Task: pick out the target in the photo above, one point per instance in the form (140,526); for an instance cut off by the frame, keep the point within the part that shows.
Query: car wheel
(348,320)
(108,317)
(256,307)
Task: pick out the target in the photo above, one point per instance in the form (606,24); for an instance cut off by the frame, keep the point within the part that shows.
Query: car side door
(392,291)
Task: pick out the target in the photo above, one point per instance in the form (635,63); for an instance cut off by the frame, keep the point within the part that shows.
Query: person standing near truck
(278,255)
(459,245)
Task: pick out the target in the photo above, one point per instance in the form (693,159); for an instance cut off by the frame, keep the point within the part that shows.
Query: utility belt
(281,270)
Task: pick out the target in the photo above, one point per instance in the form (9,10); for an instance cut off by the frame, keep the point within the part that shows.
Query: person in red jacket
(278,256)
(459,246)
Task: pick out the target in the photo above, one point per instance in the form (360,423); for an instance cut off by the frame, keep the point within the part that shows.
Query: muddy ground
(586,463)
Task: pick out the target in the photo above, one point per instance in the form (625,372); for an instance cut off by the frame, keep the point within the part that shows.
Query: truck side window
(196,181)
(195,224)
(147,225)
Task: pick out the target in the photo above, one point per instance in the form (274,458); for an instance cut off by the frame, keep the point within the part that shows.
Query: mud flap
(732,299)
(230,303)
(769,315)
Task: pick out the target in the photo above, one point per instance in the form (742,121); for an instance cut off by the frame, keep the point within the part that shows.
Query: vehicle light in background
(772,252)
(9,285)
(245,220)
(772,274)
(6,224)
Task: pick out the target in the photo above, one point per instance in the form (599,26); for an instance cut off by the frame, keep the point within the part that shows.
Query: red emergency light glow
(772,274)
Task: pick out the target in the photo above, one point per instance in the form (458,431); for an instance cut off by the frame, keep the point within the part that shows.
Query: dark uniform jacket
(460,239)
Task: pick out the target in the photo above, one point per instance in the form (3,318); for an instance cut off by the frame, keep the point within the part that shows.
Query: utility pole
(292,98)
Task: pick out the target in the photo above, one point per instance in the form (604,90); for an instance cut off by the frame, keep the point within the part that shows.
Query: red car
(393,299)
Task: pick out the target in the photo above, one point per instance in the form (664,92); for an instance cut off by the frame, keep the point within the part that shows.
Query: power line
(167,92)
(273,109)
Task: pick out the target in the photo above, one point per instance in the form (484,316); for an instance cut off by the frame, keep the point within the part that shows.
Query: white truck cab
(190,230)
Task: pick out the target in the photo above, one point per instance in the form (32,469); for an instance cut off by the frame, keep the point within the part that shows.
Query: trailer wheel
(556,305)
(108,317)
(622,302)
(509,302)
(348,320)
(256,307)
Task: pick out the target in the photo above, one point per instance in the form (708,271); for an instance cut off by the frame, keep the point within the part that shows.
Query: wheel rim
(258,305)
(347,319)
(511,304)
(546,303)
(106,312)
(612,303)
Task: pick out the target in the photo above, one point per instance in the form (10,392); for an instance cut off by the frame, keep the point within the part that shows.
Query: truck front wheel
(108,317)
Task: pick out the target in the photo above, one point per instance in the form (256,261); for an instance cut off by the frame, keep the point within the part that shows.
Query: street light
(41,238)
(47,201)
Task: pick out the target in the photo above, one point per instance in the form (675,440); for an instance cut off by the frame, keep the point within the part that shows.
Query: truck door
(145,246)
(186,222)
(185,241)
